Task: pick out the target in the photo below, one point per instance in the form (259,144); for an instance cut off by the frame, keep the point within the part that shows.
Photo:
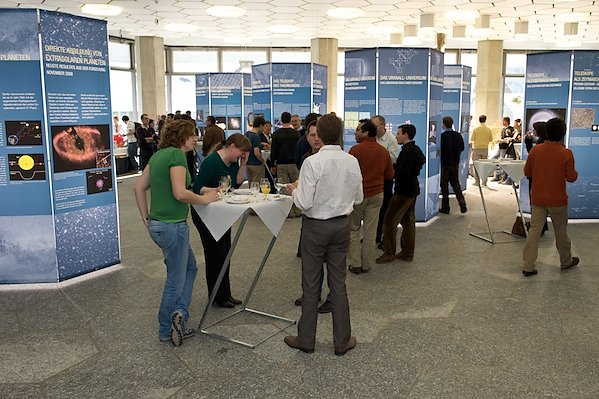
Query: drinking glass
(224,185)
(255,188)
(265,187)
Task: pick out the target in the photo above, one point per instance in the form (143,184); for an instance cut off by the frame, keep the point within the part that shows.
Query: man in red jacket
(550,165)
(376,167)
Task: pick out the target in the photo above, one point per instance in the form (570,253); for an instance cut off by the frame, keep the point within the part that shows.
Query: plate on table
(278,197)
(242,191)
(239,199)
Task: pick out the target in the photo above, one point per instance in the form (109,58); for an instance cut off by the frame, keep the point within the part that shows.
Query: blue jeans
(181,270)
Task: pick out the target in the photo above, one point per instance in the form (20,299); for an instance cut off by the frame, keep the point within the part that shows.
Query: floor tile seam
(75,304)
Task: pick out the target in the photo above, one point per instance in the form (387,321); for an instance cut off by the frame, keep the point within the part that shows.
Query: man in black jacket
(403,203)
(452,145)
(282,151)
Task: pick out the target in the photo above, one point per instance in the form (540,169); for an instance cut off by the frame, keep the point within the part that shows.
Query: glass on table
(255,188)
(224,185)
(265,186)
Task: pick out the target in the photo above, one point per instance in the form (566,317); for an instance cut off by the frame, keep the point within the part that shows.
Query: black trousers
(144,156)
(215,253)
(449,175)
(387,194)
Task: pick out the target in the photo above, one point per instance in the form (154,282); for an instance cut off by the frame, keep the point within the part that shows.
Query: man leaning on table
(329,186)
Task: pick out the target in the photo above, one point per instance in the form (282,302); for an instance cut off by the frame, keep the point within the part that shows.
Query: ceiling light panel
(104,10)
(225,11)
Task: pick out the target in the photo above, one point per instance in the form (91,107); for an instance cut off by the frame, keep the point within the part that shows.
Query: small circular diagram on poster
(24,167)
(99,181)
(77,147)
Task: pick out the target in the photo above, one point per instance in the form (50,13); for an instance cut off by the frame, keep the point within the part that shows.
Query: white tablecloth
(219,216)
(514,168)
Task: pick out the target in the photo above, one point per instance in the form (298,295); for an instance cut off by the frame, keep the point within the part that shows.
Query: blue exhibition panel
(565,84)
(227,97)
(456,103)
(57,179)
(404,85)
(297,88)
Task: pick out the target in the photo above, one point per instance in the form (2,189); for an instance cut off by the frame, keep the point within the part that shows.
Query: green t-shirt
(164,206)
(212,169)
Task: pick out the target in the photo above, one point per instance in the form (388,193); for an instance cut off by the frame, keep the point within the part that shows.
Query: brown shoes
(385,258)
(291,341)
(575,261)
(404,257)
(351,344)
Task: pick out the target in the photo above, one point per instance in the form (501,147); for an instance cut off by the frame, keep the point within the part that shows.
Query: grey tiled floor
(458,322)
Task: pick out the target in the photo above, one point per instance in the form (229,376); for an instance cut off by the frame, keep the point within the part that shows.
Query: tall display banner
(27,245)
(202,100)
(465,119)
(456,103)
(291,90)
(319,89)
(261,91)
(77,97)
(435,128)
(226,101)
(360,91)
(583,137)
(248,118)
(546,96)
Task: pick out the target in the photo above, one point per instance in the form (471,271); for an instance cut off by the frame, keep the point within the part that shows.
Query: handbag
(518,227)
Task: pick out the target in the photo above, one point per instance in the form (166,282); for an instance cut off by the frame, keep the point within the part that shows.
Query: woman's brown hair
(239,140)
(176,133)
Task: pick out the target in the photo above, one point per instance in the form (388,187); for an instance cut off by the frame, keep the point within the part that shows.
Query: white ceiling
(148,18)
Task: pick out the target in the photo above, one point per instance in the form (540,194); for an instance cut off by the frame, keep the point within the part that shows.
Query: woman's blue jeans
(181,270)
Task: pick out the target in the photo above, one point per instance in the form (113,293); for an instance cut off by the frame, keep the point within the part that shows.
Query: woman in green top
(231,160)
(166,221)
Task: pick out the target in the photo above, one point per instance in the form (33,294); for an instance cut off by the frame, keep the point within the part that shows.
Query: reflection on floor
(460,321)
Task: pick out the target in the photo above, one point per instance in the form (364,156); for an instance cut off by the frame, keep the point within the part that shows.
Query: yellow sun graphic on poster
(26,162)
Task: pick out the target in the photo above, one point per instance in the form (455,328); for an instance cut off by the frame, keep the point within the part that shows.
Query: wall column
(324,51)
(489,82)
(150,72)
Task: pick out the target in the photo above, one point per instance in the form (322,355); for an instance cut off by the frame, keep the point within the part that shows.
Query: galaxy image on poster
(26,167)
(23,133)
(78,147)
(534,115)
(87,240)
(99,181)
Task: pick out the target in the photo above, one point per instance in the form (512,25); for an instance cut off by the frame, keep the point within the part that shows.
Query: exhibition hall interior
(90,90)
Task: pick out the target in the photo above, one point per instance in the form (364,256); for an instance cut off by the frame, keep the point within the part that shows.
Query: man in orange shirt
(376,167)
(550,165)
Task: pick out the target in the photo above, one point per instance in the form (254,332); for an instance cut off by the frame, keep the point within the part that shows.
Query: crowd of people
(348,202)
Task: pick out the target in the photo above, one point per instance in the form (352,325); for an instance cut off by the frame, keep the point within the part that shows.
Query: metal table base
(204,329)
(491,239)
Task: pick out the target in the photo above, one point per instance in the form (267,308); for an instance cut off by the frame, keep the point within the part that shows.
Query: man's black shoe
(326,307)
(528,274)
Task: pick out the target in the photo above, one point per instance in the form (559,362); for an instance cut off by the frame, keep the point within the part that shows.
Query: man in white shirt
(329,186)
(131,143)
(390,143)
